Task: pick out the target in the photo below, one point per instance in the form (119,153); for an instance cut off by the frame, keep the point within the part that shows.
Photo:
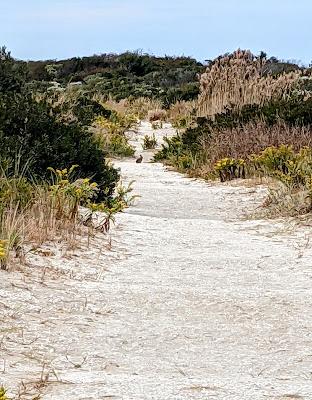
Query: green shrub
(31,130)
(172,147)
(283,163)
(189,142)
(13,75)
(149,142)
(110,134)
(116,145)
(184,162)
(28,129)
(127,75)
(68,194)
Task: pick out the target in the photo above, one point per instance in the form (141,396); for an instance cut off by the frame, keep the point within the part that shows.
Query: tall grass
(253,137)
(29,214)
(181,113)
(37,212)
(238,79)
(139,107)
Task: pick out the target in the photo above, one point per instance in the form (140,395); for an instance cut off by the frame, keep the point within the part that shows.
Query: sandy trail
(191,303)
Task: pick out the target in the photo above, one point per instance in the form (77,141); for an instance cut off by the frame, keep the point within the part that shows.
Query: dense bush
(188,142)
(237,134)
(28,130)
(110,134)
(13,75)
(31,131)
(126,75)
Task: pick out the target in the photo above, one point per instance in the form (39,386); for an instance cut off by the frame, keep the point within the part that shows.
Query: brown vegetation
(238,79)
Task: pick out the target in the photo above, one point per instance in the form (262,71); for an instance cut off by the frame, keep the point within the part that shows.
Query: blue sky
(56,29)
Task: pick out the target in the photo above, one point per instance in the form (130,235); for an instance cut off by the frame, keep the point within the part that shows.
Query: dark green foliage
(30,130)
(86,109)
(187,143)
(130,74)
(186,92)
(12,74)
(194,142)
(277,68)
(296,111)
(136,64)
(172,146)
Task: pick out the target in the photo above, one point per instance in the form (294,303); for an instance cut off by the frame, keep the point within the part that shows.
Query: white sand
(191,303)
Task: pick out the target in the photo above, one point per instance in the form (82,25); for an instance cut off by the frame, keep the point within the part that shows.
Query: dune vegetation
(252,119)
(238,116)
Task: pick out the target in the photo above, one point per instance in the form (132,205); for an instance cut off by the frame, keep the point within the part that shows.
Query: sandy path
(194,303)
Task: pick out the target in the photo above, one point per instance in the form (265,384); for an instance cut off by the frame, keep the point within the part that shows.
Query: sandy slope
(191,303)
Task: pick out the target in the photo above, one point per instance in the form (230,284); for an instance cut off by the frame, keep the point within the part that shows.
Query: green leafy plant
(69,194)
(111,137)
(283,163)
(149,142)
(106,211)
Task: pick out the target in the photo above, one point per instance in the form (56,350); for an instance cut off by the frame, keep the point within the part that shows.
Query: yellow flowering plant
(283,163)
(230,168)
(3,395)
(3,249)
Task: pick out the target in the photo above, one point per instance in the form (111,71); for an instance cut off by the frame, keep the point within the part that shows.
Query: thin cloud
(78,11)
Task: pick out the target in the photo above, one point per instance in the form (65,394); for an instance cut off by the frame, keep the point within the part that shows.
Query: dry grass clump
(181,113)
(157,115)
(139,107)
(50,211)
(237,80)
(36,213)
(252,138)
(121,107)
(34,225)
(143,105)
(283,200)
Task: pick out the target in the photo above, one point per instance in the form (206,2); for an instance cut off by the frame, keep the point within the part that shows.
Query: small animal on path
(139,160)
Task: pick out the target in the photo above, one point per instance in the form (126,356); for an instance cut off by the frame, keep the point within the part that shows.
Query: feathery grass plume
(238,79)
